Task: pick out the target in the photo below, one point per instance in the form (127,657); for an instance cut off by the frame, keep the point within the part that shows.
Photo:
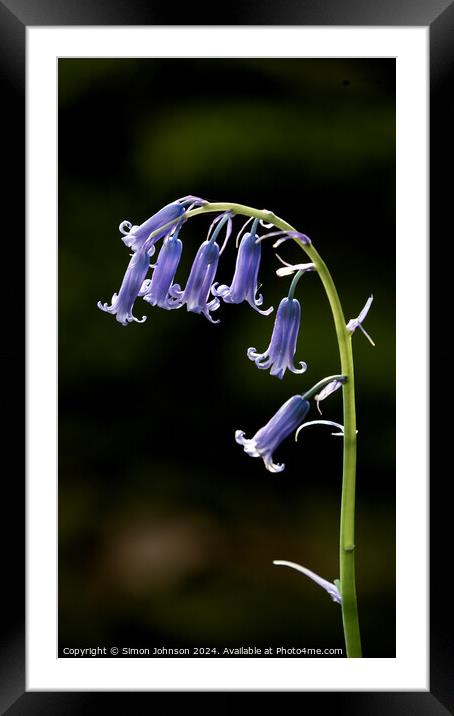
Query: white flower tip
(274,467)
(330,587)
(367,335)
(331,423)
(285,271)
(355,323)
(279,242)
(266,224)
(239,437)
(292,268)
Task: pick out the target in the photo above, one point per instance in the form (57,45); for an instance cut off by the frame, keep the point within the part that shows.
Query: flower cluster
(203,294)
(142,239)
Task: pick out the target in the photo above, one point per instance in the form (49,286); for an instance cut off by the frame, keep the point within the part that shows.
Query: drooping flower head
(203,270)
(244,283)
(164,221)
(156,291)
(123,302)
(267,439)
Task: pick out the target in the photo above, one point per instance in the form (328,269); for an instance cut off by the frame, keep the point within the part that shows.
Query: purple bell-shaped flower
(203,270)
(244,283)
(156,291)
(267,439)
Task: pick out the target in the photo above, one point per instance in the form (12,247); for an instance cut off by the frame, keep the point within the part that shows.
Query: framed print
(161,557)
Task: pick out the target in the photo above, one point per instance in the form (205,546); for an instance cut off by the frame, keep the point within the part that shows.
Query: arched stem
(347,517)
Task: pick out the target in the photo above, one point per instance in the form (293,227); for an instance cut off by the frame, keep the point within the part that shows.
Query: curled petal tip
(274,467)
(239,437)
(263,312)
(125,227)
(301,370)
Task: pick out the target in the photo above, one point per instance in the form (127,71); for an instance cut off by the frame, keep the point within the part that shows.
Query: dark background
(167,529)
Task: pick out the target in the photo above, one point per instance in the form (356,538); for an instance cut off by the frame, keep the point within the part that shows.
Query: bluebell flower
(203,270)
(123,302)
(267,439)
(244,283)
(156,290)
(135,236)
(197,290)
(331,587)
(281,351)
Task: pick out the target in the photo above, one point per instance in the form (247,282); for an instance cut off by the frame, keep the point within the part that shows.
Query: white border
(409,671)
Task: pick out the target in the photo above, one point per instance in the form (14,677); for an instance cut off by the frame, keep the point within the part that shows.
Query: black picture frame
(15,17)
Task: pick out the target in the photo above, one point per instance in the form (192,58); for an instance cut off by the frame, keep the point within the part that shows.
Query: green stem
(293,285)
(347,518)
(218,228)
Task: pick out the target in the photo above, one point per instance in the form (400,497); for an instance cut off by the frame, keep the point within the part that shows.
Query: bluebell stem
(280,354)
(244,283)
(156,291)
(203,270)
(135,236)
(123,302)
(142,239)
(267,439)
(355,323)
(330,587)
